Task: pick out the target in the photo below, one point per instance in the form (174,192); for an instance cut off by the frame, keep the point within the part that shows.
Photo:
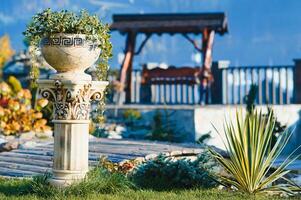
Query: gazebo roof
(170,23)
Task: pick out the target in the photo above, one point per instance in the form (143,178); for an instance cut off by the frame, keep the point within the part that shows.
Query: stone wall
(207,115)
(198,120)
(181,117)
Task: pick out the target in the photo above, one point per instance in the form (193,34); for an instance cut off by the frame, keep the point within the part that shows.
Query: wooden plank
(179,92)
(246,80)
(28,156)
(241,96)
(118,152)
(190,96)
(125,149)
(41,163)
(259,86)
(34,152)
(157,94)
(131,152)
(280,87)
(196,93)
(38,154)
(138,86)
(184,93)
(267,93)
(95,152)
(167,93)
(253,76)
(255,81)
(128,146)
(225,86)
(173,93)
(162,93)
(153,94)
(25,167)
(16,173)
(132,87)
(287,85)
(233,87)
(273,87)
(141,142)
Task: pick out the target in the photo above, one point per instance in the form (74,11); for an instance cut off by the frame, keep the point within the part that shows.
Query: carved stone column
(71,103)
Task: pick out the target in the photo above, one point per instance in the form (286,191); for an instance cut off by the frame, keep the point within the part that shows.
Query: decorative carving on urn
(71,103)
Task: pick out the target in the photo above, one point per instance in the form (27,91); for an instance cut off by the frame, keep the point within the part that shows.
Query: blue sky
(261,32)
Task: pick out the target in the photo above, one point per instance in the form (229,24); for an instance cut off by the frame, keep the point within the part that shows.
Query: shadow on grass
(15,187)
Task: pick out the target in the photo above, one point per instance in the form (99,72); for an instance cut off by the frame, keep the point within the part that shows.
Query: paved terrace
(38,160)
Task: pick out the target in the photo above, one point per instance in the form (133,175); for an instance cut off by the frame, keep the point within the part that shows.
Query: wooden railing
(172,85)
(164,89)
(275,85)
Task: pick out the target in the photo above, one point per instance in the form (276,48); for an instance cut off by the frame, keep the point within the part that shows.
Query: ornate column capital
(71,98)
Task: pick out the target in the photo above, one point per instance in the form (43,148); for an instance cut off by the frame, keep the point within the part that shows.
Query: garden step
(38,160)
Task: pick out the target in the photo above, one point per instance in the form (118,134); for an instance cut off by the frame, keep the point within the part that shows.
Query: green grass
(130,194)
(103,185)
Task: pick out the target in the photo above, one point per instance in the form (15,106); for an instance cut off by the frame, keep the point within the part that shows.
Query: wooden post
(126,68)
(297,81)
(206,77)
(219,86)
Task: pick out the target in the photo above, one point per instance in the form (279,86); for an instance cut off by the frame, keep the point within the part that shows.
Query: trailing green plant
(249,146)
(164,173)
(46,23)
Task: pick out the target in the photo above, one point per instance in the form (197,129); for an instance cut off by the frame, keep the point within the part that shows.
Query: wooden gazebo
(206,24)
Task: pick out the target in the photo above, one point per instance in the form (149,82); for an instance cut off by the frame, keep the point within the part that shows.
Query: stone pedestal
(71,103)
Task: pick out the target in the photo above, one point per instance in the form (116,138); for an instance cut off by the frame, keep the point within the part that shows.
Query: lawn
(9,190)
(114,188)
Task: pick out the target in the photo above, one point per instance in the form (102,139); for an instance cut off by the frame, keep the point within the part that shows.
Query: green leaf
(248,144)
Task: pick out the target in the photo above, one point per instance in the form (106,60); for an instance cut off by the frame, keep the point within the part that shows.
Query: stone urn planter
(70,55)
(70,91)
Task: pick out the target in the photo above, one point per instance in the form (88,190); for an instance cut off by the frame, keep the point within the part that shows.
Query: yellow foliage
(6,50)
(14,83)
(16,114)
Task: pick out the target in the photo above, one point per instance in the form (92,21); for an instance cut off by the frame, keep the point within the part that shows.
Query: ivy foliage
(48,22)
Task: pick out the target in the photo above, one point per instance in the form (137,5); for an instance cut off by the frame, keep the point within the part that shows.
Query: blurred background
(254,62)
(261,32)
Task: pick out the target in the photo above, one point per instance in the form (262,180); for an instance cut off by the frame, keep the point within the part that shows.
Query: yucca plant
(251,155)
